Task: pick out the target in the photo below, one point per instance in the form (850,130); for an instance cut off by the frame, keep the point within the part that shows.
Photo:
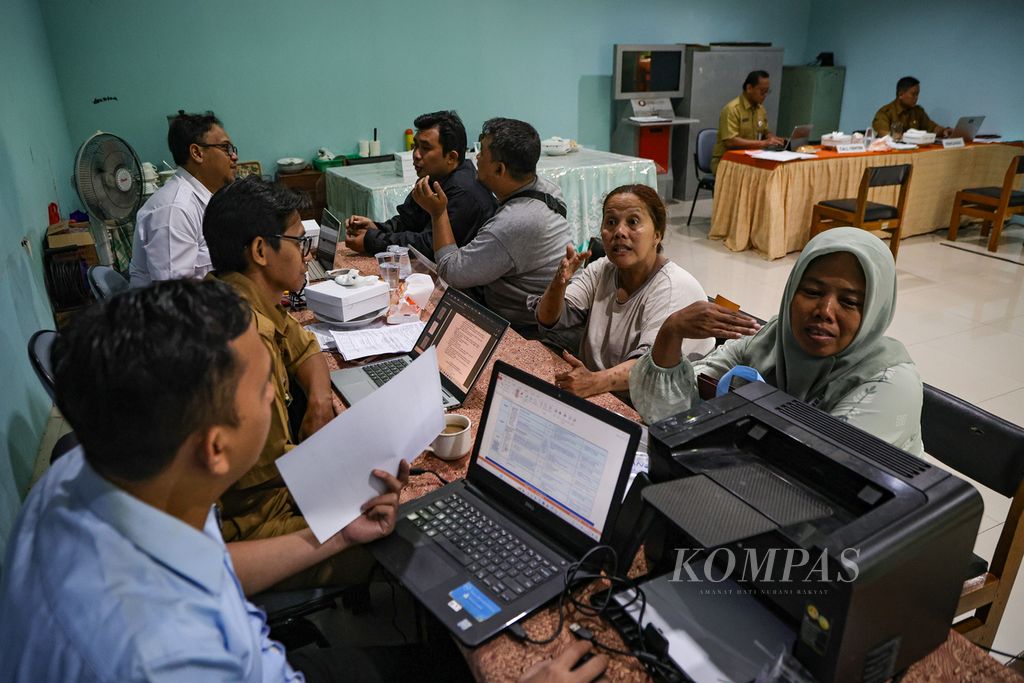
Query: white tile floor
(960,314)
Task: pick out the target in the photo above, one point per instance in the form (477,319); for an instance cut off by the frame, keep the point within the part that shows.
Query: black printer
(861,547)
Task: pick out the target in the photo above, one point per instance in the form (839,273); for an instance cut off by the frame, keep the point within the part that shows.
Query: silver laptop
(967,127)
(545,484)
(800,136)
(465,335)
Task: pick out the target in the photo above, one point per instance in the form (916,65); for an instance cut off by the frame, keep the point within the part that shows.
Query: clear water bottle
(869,137)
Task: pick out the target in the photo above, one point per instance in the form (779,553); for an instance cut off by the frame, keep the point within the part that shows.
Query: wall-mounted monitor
(648,71)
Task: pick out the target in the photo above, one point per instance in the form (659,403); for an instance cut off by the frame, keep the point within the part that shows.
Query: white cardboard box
(403,165)
(346,303)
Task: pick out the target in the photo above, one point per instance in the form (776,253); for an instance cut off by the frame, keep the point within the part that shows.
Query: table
(766,205)
(585,177)
(502,659)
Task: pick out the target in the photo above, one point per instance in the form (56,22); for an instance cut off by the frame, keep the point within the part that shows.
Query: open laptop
(800,136)
(465,334)
(545,485)
(330,231)
(967,127)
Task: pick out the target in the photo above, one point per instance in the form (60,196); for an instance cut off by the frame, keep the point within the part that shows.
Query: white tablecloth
(585,177)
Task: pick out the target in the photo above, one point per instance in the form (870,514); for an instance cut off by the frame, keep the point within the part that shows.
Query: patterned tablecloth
(585,177)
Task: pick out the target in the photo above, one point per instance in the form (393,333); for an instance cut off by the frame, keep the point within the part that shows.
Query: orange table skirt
(766,205)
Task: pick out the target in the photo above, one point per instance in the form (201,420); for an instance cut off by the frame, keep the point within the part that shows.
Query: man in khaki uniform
(903,113)
(258,246)
(743,123)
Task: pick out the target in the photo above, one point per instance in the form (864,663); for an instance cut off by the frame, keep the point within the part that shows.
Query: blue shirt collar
(197,556)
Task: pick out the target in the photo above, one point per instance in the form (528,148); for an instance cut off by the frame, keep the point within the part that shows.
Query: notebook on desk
(545,484)
(967,127)
(465,334)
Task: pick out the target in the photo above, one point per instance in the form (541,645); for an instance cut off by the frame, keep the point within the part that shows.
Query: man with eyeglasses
(258,246)
(743,123)
(168,242)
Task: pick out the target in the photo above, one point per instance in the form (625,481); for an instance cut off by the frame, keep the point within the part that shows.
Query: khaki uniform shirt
(741,119)
(909,117)
(289,345)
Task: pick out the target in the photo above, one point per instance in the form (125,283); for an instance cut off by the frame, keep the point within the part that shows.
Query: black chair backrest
(888,175)
(976,443)
(39,346)
(370,160)
(105,282)
(705,149)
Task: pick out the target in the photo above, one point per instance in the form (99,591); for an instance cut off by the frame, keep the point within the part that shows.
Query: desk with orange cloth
(766,205)
(504,659)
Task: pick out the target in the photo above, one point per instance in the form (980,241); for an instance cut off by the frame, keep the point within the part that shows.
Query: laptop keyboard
(495,557)
(385,370)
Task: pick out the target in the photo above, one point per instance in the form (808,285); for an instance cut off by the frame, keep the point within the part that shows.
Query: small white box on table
(346,303)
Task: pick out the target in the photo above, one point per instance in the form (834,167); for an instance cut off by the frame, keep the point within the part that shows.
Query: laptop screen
(561,457)
(464,333)
(330,231)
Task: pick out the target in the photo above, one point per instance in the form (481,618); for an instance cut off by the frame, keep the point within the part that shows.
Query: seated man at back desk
(516,252)
(115,569)
(743,122)
(903,113)
(439,151)
(258,246)
(168,242)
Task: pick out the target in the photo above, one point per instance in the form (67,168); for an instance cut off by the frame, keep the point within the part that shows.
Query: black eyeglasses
(305,243)
(226,147)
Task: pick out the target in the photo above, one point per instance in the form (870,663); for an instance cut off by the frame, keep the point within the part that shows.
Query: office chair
(702,165)
(39,346)
(105,282)
(861,213)
(993,205)
(990,451)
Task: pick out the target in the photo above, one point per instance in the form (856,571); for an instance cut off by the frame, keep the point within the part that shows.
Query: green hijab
(822,382)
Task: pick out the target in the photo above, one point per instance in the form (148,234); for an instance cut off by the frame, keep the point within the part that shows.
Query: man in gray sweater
(517,251)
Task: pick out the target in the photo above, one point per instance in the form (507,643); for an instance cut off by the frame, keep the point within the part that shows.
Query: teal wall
(968,57)
(287,78)
(35,165)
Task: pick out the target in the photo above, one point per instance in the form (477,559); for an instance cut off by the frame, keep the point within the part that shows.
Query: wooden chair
(991,204)
(990,451)
(861,213)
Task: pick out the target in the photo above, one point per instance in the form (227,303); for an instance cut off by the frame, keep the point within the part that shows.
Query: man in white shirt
(168,241)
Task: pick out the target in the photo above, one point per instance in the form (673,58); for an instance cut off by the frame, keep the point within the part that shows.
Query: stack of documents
(355,344)
(779,156)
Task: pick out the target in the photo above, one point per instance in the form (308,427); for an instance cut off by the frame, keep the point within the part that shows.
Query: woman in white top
(619,301)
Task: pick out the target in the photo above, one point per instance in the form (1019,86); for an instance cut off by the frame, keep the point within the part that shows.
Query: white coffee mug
(456,440)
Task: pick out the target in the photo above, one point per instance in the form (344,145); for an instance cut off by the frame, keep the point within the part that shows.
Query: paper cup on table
(374,148)
(364,148)
(456,439)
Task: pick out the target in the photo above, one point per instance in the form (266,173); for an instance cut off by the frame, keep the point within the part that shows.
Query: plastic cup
(389,271)
(402,254)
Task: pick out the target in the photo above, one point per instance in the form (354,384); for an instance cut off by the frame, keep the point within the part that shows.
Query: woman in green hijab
(826,347)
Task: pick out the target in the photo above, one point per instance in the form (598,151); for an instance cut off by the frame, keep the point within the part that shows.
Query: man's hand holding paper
(330,474)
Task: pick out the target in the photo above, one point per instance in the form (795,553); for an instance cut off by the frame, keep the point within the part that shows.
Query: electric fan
(108,179)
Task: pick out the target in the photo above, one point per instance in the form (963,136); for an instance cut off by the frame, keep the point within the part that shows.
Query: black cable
(1004,654)
(415,471)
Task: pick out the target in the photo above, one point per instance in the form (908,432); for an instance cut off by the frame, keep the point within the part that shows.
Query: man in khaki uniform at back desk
(743,123)
(904,113)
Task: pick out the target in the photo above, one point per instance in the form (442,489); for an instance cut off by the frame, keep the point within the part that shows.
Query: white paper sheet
(322,332)
(354,344)
(329,474)
(779,156)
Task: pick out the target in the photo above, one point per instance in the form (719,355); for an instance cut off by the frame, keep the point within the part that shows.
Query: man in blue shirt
(115,570)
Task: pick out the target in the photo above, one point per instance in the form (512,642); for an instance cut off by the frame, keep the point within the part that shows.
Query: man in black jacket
(439,152)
